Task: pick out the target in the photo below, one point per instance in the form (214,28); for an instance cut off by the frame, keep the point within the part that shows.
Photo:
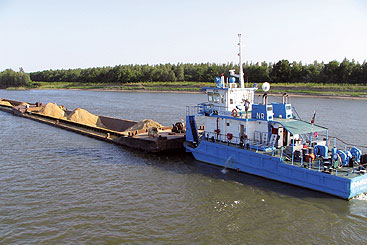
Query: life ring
(234,113)
(229,136)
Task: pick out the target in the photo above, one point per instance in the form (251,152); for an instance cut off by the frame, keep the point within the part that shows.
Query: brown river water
(60,187)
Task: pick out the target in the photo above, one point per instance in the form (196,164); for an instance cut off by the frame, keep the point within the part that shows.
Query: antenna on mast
(242,85)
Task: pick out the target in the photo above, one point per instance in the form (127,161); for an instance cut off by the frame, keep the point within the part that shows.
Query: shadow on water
(184,163)
(282,190)
(255,181)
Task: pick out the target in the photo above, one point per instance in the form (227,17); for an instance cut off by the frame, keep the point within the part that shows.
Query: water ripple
(59,187)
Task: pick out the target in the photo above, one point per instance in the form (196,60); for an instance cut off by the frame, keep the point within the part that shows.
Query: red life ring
(229,136)
(234,113)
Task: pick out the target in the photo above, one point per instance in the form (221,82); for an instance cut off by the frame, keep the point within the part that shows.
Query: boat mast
(242,85)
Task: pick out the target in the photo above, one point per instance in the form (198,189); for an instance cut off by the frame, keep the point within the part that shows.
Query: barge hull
(275,169)
(164,141)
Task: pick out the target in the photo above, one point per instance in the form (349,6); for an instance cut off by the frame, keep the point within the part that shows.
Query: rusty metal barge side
(164,141)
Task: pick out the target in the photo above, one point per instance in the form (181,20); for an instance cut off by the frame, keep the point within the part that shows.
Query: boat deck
(316,165)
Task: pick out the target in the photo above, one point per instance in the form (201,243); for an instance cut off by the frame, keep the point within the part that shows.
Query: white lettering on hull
(260,115)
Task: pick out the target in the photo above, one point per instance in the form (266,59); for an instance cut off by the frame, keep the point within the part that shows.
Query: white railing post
(301,159)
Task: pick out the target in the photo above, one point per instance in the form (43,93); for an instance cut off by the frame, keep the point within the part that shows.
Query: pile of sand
(85,117)
(53,110)
(4,102)
(145,124)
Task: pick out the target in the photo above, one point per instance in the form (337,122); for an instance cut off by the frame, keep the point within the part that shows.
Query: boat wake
(362,197)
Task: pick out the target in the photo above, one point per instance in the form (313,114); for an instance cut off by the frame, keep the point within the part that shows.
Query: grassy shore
(314,89)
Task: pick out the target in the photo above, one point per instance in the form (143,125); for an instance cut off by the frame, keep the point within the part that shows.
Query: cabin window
(216,97)
(231,101)
(269,108)
(222,99)
(210,97)
(288,107)
(227,124)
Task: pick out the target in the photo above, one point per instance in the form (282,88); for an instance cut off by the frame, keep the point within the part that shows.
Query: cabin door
(285,137)
(242,130)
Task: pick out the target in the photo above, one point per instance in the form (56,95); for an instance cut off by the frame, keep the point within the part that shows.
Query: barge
(268,140)
(146,135)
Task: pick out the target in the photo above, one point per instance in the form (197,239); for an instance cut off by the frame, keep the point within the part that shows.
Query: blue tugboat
(268,140)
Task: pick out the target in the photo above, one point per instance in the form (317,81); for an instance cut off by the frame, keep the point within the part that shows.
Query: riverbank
(299,89)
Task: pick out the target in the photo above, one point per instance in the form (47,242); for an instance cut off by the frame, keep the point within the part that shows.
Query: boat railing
(214,137)
(191,110)
(231,140)
(342,145)
(314,136)
(205,109)
(249,144)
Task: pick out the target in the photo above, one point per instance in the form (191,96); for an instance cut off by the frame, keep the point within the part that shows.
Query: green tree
(180,72)
(281,72)
(329,73)
(296,72)
(345,70)
(10,78)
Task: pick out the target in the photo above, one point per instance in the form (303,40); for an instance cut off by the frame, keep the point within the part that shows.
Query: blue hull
(274,168)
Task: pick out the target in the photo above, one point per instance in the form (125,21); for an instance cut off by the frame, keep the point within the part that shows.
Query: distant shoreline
(293,94)
(326,96)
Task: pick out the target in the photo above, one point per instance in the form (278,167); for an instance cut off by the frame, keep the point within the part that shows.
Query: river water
(61,187)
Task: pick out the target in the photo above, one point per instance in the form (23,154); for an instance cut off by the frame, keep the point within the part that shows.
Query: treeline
(282,71)
(10,78)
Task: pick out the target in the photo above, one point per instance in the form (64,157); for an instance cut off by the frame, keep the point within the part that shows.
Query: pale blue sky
(41,34)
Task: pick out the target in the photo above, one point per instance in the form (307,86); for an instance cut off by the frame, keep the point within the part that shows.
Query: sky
(51,34)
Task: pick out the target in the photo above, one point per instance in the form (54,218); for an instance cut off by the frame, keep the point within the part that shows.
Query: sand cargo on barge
(146,135)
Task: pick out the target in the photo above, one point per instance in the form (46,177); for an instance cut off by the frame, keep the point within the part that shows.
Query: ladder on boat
(194,130)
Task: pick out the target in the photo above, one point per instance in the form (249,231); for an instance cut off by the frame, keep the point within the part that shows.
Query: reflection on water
(60,187)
